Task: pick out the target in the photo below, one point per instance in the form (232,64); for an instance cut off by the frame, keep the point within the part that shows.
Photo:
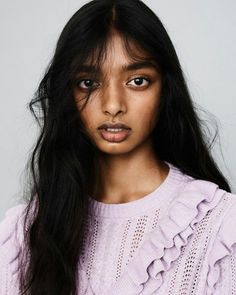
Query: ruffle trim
(224,245)
(161,247)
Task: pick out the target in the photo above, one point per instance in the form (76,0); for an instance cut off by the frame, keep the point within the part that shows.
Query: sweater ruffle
(161,247)
(144,274)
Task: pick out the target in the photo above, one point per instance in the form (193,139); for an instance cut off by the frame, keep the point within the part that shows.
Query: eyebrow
(139,65)
(127,68)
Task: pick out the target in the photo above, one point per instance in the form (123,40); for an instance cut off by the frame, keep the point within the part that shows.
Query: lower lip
(115,136)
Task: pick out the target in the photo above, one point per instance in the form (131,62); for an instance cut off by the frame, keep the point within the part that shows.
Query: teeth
(114,129)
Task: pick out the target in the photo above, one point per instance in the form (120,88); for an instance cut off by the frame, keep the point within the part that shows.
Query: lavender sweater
(179,239)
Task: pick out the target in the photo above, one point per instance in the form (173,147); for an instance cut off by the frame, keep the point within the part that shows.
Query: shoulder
(11,236)
(227,229)
(208,213)
(226,234)
(11,232)
(222,256)
(208,197)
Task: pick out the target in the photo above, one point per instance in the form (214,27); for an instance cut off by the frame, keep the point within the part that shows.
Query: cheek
(147,114)
(88,116)
(147,120)
(85,116)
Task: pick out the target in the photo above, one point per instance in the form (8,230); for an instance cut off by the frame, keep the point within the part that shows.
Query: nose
(113,98)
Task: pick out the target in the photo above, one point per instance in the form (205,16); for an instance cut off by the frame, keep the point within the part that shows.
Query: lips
(113,125)
(115,136)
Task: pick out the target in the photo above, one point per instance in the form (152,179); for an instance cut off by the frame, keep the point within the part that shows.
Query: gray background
(203,33)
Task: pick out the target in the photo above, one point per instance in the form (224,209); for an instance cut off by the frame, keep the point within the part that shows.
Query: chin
(115,148)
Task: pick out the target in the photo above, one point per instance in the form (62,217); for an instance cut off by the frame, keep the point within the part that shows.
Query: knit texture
(179,239)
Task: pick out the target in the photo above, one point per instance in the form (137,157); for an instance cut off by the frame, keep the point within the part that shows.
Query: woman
(125,196)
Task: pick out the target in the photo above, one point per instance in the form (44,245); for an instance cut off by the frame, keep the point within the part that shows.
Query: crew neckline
(162,193)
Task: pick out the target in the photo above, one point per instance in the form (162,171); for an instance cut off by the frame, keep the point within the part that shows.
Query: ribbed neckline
(163,192)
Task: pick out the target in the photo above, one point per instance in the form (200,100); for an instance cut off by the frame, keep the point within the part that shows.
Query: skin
(128,170)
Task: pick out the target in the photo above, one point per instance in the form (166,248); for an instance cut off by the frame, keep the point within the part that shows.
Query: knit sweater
(179,239)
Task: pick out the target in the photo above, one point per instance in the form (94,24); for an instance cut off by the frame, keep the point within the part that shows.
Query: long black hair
(62,162)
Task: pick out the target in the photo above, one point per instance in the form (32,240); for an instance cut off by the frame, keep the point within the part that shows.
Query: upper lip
(113,125)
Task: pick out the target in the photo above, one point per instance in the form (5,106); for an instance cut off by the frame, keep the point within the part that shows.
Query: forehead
(117,50)
(119,55)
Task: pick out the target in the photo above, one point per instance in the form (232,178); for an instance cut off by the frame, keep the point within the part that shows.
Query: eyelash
(141,77)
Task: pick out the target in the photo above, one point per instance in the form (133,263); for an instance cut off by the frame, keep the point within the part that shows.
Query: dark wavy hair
(62,162)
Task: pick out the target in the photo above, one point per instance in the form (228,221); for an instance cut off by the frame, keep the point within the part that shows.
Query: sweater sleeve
(10,238)
(221,277)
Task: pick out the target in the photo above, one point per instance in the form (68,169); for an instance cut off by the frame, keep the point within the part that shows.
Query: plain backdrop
(204,36)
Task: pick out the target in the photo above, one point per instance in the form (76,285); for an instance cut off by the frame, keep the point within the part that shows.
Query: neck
(127,177)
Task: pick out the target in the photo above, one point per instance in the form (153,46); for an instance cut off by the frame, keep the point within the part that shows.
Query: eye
(139,81)
(87,83)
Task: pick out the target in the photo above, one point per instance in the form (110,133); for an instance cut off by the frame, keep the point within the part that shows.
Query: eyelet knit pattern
(179,239)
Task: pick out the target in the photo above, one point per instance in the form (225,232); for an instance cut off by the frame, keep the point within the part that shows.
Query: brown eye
(139,81)
(86,84)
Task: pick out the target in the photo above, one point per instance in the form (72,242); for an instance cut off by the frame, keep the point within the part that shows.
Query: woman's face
(125,92)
